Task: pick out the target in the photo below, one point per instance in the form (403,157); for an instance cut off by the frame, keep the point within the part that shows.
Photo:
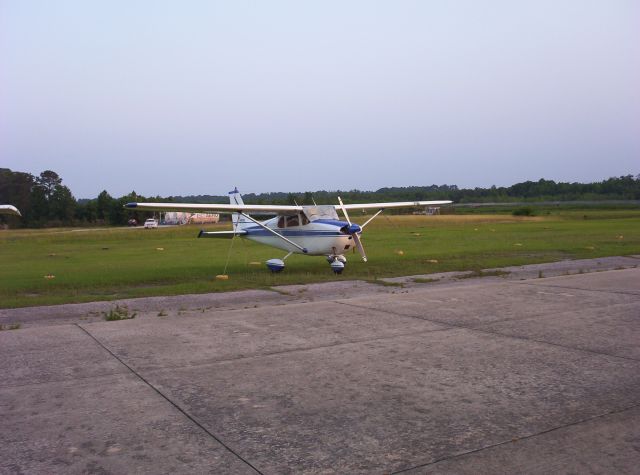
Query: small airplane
(9,209)
(310,230)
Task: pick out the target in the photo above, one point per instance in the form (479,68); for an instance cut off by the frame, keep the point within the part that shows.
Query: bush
(526,211)
(118,313)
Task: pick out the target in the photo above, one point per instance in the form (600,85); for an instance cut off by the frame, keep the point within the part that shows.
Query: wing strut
(372,218)
(303,249)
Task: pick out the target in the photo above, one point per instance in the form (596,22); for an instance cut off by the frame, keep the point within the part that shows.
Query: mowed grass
(53,266)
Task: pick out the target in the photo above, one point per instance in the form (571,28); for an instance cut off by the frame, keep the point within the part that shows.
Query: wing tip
(10,210)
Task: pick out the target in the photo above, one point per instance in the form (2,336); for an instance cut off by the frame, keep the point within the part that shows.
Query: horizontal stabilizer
(220,234)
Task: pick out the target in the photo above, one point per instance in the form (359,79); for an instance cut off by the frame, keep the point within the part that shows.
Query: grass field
(53,266)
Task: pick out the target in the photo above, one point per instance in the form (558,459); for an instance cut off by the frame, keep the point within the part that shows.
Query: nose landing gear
(337,263)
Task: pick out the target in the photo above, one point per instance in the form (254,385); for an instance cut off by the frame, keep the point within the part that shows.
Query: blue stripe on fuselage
(327,228)
(284,232)
(333,222)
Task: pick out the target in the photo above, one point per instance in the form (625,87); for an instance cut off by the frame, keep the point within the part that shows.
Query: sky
(197,97)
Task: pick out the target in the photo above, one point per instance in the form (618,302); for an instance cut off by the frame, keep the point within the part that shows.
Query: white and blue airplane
(311,230)
(9,209)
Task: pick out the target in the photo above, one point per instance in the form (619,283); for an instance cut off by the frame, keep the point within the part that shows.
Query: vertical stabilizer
(239,222)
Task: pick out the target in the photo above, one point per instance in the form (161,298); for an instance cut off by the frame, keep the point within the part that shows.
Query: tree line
(45,201)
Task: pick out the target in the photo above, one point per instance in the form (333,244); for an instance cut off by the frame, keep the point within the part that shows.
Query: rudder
(239,221)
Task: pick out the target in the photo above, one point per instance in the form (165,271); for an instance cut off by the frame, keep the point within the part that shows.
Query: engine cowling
(350,229)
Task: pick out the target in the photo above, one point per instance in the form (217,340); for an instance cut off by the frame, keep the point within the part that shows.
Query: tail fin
(239,221)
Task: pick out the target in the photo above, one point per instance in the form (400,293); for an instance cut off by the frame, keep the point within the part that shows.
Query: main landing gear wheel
(275,265)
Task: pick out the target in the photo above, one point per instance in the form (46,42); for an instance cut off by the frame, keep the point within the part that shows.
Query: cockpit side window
(292,221)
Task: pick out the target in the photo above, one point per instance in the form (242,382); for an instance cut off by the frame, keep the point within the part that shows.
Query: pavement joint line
(63,380)
(543,284)
(166,398)
(502,320)
(294,350)
(537,315)
(530,436)
(450,325)
(515,337)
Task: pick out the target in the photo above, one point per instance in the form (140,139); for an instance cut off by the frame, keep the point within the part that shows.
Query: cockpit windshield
(320,212)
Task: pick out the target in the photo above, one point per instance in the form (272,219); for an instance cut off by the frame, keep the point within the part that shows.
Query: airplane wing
(8,209)
(275,209)
(214,208)
(396,204)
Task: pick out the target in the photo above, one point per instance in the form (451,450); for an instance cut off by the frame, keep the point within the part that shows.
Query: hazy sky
(196,97)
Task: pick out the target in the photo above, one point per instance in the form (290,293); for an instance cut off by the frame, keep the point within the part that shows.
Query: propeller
(354,230)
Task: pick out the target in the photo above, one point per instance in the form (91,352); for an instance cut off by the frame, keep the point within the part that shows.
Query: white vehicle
(151,223)
(311,230)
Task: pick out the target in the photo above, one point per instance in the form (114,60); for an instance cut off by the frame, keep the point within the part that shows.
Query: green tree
(62,204)
(48,180)
(39,207)
(103,205)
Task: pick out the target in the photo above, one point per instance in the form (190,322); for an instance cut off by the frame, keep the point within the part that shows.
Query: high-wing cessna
(9,209)
(311,230)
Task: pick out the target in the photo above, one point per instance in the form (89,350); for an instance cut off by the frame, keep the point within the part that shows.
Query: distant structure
(174,218)
(204,218)
(178,218)
(429,211)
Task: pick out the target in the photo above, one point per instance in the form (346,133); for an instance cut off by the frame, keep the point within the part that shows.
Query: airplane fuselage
(319,238)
